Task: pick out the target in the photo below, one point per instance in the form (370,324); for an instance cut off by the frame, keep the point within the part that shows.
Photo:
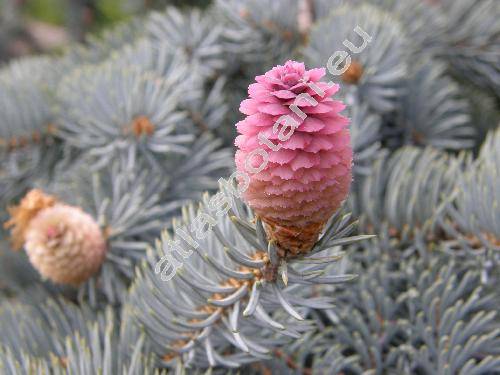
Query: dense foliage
(136,128)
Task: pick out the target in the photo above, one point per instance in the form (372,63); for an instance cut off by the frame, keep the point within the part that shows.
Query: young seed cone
(301,175)
(65,244)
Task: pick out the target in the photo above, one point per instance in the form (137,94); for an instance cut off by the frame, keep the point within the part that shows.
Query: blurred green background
(34,26)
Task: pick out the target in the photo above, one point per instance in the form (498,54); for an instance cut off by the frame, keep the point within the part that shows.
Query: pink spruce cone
(306,180)
(65,244)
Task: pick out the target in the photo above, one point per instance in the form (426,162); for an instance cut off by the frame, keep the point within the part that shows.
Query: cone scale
(299,175)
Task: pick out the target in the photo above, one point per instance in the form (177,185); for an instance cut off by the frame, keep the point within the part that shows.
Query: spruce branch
(376,65)
(406,194)
(433,111)
(222,308)
(196,35)
(471,221)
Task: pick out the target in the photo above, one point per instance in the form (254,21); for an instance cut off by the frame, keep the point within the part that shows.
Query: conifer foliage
(292,187)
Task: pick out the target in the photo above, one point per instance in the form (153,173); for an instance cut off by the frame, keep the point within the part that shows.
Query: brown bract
(36,137)
(353,73)
(142,126)
(21,215)
(292,240)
